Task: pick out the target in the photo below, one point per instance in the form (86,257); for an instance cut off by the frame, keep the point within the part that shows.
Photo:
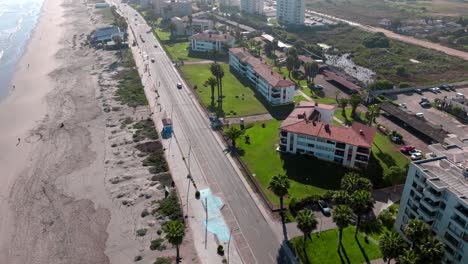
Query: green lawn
(307,174)
(318,96)
(177,49)
(339,115)
(322,248)
(239,100)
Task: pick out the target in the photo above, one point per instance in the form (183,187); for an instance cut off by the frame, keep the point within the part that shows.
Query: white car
(416,156)
(416,151)
(403,105)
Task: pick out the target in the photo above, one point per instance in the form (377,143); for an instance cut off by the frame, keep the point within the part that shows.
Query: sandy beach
(73,193)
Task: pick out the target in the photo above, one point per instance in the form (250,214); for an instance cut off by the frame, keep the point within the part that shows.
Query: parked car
(406,149)
(155,46)
(179,85)
(396,140)
(420,115)
(324,207)
(403,105)
(415,151)
(318,87)
(424,99)
(418,91)
(425,104)
(451,87)
(152,60)
(444,87)
(416,156)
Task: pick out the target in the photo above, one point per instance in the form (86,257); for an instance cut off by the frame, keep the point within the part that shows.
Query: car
(425,104)
(444,87)
(415,151)
(318,87)
(324,207)
(403,105)
(418,91)
(434,89)
(406,149)
(179,85)
(420,115)
(451,87)
(152,60)
(424,99)
(396,139)
(155,46)
(416,156)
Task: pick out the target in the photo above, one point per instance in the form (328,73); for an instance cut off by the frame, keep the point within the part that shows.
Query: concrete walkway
(198,62)
(249,119)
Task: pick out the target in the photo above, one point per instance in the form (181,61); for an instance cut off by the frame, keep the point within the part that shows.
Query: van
(459,95)
(419,115)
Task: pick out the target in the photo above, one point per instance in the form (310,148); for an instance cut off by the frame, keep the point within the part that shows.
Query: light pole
(189,177)
(229,242)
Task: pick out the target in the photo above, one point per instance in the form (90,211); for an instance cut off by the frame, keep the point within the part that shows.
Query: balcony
(362,158)
(430,205)
(452,240)
(462,210)
(283,141)
(276,95)
(426,213)
(459,221)
(340,145)
(432,194)
(455,230)
(363,150)
(283,134)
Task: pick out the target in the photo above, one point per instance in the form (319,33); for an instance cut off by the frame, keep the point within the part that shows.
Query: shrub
(328,195)
(197,194)
(163,260)
(141,232)
(387,218)
(170,207)
(377,40)
(293,206)
(157,244)
(220,250)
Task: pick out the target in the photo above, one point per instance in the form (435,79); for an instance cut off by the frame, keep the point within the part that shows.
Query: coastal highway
(190,123)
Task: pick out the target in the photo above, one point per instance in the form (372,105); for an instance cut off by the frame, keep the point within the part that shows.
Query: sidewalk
(205,243)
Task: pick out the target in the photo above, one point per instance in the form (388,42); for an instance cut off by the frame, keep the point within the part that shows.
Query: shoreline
(24,50)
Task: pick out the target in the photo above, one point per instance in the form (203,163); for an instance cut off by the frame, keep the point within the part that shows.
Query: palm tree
(361,203)
(279,185)
(175,234)
(275,46)
(172,28)
(372,113)
(233,134)
(408,257)
(118,42)
(343,102)
(341,197)
(342,218)
(416,231)
(354,101)
(218,72)
(306,222)
(353,182)
(290,61)
(212,82)
(391,244)
(431,251)
(310,70)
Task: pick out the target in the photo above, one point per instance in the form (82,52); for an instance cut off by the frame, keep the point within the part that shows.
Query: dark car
(418,91)
(179,85)
(324,207)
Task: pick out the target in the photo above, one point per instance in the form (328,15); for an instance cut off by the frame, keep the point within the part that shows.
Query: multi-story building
(168,9)
(308,130)
(251,6)
(290,12)
(182,26)
(275,89)
(436,191)
(208,41)
(229,3)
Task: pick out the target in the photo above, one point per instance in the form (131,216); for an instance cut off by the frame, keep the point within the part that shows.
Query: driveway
(432,115)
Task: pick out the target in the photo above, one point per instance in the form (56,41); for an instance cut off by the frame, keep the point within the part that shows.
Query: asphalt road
(434,116)
(193,125)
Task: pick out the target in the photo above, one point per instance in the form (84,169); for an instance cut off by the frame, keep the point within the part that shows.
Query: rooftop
(305,59)
(281,44)
(213,37)
(331,76)
(305,120)
(262,68)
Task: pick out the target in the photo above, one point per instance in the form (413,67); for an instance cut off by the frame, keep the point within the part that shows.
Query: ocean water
(17,21)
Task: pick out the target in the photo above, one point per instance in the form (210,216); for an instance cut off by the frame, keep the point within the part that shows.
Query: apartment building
(275,89)
(252,6)
(168,9)
(436,191)
(290,12)
(308,130)
(208,41)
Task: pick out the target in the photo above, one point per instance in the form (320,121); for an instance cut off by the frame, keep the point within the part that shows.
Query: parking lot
(432,115)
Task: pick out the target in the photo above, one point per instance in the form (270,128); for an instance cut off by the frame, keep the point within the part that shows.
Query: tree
(233,134)
(172,29)
(306,222)
(299,45)
(341,197)
(361,203)
(268,48)
(275,45)
(279,185)
(353,182)
(343,102)
(118,42)
(354,101)
(377,40)
(372,113)
(381,85)
(408,257)
(342,218)
(290,63)
(416,231)
(310,70)
(391,245)
(394,175)
(175,234)
(431,251)
(401,71)
(212,82)
(218,72)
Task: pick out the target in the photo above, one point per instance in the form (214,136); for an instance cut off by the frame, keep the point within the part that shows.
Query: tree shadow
(326,175)
(362,250)
(344,253)
(285,254)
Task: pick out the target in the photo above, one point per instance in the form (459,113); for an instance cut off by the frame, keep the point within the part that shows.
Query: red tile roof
(262,68)
(213,37)
(357,135)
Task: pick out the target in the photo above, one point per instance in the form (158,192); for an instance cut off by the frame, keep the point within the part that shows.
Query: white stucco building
(168,9)
(251,6)
(308,130)
(436,191)
(290,12)
(208,41)
(275,89)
